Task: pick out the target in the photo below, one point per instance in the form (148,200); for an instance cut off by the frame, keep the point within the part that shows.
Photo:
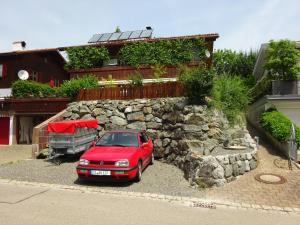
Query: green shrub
(158,72)
(198,83)
(234,63)
(86,57)
(231,95)
(70,88)
(27,88)
(279,126)
(282,60)
(136,79)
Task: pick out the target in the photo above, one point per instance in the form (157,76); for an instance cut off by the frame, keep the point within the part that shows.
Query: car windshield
(123,139)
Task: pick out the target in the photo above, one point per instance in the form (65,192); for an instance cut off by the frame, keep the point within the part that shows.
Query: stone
(147,110)
(119,114)
(128,109)
(235,169)
(158,120)
(248,156)
(75,116)
(228,171)
(247,166)
(191,128)
(198,109)
(153,125)
(87,117)
(242,167)
(97,111)
(148,117)
(137,126)
(218,173)
(252,164)
(102,119)
(173,144)
(75,109)
(84,110)
(118,121)
(166,141)
(67,114)
(158,143)
(220,182)
(136,116)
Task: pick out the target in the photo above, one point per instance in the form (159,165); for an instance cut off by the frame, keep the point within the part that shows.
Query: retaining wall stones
(192,137)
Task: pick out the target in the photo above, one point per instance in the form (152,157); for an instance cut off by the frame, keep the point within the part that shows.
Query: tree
(118,30)
(281,59)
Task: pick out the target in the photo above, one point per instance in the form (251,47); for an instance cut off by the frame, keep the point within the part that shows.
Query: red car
(120,154)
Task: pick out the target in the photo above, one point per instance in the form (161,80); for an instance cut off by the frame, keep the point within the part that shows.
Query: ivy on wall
(86,57)
(163,52)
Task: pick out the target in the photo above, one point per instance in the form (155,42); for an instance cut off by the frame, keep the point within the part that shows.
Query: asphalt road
(35,205)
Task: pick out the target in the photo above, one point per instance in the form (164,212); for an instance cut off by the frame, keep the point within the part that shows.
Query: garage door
(4,130)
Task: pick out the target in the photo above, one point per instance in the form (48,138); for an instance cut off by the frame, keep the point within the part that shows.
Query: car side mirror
(93,143)
(144,144)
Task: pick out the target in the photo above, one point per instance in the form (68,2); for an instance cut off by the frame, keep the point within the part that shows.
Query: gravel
(159,178)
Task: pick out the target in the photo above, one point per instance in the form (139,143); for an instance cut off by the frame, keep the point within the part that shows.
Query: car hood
(110,153)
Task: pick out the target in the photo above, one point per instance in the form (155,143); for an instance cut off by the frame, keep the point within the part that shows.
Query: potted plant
(282,64)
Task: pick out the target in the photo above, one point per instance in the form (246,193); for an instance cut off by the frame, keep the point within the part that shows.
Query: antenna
(23,75)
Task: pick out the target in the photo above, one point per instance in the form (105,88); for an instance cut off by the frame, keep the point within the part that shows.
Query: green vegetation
(231,95)
(279,126)
(281,60)
(158,72)
(198,82)
(70,88)
(262,87)
(234,63)
(86,57)
(164,52)
(27,88)
(136,79)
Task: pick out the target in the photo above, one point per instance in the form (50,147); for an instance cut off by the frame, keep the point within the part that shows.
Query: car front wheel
(138,176)
(152,159)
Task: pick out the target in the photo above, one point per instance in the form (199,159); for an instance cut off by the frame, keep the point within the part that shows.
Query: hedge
(279,126)
(26,88)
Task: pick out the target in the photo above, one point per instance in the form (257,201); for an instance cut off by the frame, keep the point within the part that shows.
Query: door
(4,130)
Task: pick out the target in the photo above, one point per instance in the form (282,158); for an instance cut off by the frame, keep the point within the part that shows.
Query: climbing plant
(86,57)
(163,52)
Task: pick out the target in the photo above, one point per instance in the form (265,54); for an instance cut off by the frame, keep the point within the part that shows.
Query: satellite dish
(23,75)
(207,53)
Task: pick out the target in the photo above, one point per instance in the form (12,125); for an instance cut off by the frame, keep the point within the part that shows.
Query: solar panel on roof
(125,35)
(115,36)
(95,38)
(105,37)
(135,34)
(146,33)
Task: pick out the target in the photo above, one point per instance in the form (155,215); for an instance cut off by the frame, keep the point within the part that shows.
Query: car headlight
(84,162)
(123,162)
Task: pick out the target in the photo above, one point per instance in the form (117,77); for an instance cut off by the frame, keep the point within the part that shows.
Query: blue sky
(242,24)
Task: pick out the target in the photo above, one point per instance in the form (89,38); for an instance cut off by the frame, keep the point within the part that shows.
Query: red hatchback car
(120,154)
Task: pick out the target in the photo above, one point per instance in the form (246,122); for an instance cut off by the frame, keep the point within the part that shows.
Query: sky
(241,24)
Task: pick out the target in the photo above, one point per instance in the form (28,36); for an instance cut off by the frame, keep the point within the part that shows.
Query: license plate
(101,172)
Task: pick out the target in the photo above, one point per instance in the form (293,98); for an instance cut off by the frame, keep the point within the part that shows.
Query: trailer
(71,137)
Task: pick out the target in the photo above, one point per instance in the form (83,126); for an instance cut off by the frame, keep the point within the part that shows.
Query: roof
(34,51)
(212,36)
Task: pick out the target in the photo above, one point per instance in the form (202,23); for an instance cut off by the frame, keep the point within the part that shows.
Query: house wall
(47,66)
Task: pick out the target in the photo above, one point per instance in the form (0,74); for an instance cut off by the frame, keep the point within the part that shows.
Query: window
(34,76)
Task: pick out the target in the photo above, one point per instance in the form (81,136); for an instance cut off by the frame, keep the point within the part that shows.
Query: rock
(235,169)
(75,116)
(84,110)
(218,173)
(119,114)
(205,128)
(180,105)
(137,126)
(128,109)
(173,144)
(148,117)
(158,143)
(166,141)
(248,156)
(97,111)
(136,116)
(67,114)
(228,171)
(220,182)
(102,119)
(153,125)
(191,128)
(198,109)
(252,164)
(147,110)
(158,120)
(87,117)
(118,121)
(242,167)
(247,166)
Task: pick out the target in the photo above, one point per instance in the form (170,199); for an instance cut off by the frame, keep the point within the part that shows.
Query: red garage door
(4,130)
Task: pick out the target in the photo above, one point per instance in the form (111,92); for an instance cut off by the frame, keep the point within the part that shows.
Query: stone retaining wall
(179,131)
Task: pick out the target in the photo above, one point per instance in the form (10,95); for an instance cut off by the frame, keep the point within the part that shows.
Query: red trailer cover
(69,126)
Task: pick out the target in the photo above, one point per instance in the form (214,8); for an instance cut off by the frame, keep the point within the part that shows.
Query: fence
(153,90)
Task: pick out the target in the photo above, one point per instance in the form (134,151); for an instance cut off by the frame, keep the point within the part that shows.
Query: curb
(186,201)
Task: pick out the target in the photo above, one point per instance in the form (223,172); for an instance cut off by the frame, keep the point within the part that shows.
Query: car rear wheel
(138,176)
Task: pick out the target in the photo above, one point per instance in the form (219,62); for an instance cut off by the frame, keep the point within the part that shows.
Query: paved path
(30,204)
(247,190)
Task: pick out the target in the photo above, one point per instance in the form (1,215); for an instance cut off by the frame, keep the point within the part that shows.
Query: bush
(281,60)
(70,88)
(136,79)
(234,63)
(27,88)
(86,57)
(198,82)
(279,126)
(231,95)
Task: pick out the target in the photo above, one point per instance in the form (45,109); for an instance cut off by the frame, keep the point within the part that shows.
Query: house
(284,96)
(119,71)
(19,116)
